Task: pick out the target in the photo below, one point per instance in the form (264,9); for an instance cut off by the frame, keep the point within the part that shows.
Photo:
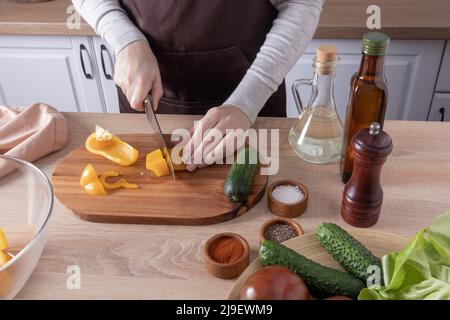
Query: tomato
(274,283)
(338,298)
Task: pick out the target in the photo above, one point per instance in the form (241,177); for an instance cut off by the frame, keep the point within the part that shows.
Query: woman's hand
(207,141)
(137,74)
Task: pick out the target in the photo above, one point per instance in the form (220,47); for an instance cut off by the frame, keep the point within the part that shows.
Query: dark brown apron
(203,48)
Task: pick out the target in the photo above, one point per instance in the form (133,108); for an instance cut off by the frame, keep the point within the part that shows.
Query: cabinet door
(411,70)
(105,61)
(440,108)
(443,83)
(57,70)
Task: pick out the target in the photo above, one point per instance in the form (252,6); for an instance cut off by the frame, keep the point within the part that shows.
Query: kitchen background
(72,70)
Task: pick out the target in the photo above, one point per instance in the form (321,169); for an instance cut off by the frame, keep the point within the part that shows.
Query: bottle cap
(326,59)
(375,43)
(326,53)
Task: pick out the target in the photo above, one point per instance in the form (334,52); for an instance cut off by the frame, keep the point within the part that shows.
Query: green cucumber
(241,175)
(352,255)
(321,281)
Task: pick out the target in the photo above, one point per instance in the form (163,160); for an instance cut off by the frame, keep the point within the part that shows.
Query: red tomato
(274,283)
(338,298)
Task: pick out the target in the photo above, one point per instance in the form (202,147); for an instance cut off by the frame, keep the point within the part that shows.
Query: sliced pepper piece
(3,241)
(154,155)
(121,183)
(91,183)
(111,147)
(159,167)
(158,155)
(4,257)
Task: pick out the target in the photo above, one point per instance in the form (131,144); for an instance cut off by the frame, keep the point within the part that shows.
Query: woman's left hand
(209,137)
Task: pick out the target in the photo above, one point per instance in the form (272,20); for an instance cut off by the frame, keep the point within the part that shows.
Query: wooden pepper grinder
(363,194)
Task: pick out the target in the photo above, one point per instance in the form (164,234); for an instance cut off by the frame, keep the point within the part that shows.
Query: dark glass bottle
(368,96)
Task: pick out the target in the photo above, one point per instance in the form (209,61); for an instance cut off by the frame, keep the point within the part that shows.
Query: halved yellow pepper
(159,167)
(121,183)
(91,183)
(109,146)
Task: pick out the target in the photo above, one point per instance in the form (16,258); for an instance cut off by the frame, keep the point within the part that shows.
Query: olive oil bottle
(368,96)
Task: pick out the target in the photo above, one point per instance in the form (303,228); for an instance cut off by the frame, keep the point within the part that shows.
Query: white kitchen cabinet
(411,70)
(443,84)
(105,60)
(58,70)
(75,73)
(440,108)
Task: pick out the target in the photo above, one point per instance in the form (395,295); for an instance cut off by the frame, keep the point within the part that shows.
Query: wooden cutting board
(380,243)
(195,198)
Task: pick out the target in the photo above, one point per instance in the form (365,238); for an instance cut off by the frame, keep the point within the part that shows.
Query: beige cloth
(30,133)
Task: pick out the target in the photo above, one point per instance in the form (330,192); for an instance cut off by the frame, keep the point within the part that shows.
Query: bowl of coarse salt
(287,198)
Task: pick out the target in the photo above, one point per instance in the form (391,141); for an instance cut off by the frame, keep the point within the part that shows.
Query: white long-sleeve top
(291,32)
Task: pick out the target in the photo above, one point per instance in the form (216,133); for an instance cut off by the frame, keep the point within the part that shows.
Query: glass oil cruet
(317,136)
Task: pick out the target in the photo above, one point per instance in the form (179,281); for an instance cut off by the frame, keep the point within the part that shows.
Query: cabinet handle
(102,58)
(442,112)
(83,49)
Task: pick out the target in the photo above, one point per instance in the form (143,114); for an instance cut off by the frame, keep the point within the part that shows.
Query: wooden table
(341,19)
(165,262)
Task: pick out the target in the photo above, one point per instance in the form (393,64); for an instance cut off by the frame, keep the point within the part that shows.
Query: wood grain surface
(46,18)
(345,19)
(379,243)
(195,198)
(165,262)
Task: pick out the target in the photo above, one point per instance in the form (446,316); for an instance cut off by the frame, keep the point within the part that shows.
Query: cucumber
(352,255)
(321,281)
(241,175)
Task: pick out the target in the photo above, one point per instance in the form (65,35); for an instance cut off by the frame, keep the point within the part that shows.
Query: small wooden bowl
(226,270)
(285,209)
(262,230)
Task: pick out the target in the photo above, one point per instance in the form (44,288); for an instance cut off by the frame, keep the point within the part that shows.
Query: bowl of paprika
(226,255)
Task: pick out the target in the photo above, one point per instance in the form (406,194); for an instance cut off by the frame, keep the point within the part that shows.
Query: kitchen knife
(157,130)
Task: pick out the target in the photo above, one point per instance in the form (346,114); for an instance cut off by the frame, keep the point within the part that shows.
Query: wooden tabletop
(346,19)
(165,262)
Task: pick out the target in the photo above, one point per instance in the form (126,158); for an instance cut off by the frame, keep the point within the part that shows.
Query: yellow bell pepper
(103,143)
(154,155)
(121,183)
(159,167)
(157,162)
(4,257)
(3,241)
(91,183)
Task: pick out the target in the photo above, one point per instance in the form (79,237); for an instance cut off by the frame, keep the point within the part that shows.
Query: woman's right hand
(137,74)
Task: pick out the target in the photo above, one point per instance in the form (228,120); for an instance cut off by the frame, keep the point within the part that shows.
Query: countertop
(346,19)
(165,262)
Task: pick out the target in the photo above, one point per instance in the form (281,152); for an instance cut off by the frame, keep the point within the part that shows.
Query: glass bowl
(26,202)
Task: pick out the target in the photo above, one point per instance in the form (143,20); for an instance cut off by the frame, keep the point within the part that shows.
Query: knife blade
(157,130)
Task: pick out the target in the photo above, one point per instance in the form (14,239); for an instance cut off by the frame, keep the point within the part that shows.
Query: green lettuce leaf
(421,271)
